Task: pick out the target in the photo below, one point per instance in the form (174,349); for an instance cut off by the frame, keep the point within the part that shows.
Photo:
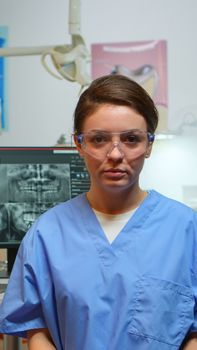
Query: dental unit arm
(69,60)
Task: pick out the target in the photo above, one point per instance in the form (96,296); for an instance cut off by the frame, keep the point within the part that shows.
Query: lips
(115,173)
(115,170)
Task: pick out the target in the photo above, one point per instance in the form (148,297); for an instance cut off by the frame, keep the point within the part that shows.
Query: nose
(115,152)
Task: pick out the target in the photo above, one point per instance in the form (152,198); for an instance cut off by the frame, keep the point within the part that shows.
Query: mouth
(115,173)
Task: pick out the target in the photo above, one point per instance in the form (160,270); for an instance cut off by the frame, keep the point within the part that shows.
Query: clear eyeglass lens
(99,143)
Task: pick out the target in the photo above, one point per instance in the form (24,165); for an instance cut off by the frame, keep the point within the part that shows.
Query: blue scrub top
(137,293)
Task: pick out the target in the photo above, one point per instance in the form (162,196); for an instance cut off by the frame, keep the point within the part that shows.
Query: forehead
(114,118)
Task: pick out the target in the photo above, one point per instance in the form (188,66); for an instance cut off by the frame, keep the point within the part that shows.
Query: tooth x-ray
(4,228)
(31,181)
(27,190)
(38,183)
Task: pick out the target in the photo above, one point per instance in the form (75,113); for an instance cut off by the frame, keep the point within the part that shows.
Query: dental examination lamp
(69,60)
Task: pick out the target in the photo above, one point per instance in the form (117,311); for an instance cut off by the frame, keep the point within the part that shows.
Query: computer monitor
(32,180)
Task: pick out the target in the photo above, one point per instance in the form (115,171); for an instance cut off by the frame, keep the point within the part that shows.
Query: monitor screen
(31,181)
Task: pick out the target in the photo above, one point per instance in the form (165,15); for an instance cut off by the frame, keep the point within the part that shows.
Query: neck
(116,202)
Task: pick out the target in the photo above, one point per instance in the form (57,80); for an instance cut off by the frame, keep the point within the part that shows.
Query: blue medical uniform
(137,293)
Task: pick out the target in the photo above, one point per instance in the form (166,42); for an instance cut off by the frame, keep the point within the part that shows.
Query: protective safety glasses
(100,144)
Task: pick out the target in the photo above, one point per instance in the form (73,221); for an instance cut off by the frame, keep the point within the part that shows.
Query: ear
(78,146)
(149,150)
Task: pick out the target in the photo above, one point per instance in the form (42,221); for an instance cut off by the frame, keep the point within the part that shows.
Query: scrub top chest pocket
(162,312)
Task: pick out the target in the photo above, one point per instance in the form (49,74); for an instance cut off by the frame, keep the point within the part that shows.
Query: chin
(116,186)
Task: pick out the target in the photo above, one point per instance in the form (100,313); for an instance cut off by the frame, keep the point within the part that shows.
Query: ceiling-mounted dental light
(69,60)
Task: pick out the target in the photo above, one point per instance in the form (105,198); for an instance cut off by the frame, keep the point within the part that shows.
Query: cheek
(91,164)
(136,165)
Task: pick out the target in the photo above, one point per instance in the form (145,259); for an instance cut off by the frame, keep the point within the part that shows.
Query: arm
(190,342)
(191,345)
(40,339)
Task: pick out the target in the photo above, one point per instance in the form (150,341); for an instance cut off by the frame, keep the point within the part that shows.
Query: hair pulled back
(116,90)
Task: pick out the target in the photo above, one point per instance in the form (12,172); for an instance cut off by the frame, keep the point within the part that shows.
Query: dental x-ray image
(38,183)
(27,190)
(4,229)
(32,180)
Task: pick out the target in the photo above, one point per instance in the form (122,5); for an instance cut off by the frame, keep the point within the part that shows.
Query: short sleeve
(21,308)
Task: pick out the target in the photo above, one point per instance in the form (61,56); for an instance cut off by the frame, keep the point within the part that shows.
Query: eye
(130,138)
(97,139)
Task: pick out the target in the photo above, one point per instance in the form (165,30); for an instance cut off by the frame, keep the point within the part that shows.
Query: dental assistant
(114,268)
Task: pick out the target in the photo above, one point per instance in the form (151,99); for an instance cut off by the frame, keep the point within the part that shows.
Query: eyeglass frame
(79,137)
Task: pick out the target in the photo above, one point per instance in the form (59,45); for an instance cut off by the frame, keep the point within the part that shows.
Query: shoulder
(173,208)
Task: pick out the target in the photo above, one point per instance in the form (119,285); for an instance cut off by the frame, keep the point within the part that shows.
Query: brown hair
(115,90)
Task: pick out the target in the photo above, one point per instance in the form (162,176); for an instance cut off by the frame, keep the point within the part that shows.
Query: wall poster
(3,43)
(142,61)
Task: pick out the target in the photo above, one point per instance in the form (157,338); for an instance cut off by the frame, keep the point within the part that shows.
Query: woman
(115,268)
